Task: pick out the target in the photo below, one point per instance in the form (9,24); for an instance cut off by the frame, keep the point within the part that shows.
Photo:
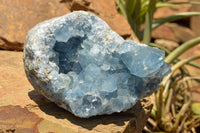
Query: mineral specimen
(83,66)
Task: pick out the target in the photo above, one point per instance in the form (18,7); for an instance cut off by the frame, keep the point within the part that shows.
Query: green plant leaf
(131,10)
(174,4)
(134,18)
(181,49)
(161,4)
(160,47)
(130,6)
(144,8)
(148,21)
(188,2)
(175,17)
(189,63)
(183,62)
(196,108)
(121,5)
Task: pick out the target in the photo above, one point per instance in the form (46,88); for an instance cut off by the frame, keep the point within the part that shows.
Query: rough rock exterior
(168,11)
(173,32)
(18,16)
(83,66)
(194,21)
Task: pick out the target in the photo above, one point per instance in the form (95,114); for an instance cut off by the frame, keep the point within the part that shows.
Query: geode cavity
(83,66)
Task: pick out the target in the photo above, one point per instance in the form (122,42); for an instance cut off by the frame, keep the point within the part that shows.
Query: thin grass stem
(181,49)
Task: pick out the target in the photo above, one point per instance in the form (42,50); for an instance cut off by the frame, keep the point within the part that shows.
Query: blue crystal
(83,66)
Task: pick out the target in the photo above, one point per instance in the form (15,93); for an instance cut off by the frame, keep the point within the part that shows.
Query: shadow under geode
(136,112)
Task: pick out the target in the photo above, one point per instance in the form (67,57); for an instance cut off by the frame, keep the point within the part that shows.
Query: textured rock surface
(194,21)
(13,120)
(171,45)
(168,11)
(18,16)
(79,63)
(18,100)
(173,32)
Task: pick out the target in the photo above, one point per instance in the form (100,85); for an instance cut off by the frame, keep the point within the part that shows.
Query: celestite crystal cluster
(83,66)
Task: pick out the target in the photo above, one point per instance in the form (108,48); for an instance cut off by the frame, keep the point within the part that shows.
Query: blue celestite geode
(83,66)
